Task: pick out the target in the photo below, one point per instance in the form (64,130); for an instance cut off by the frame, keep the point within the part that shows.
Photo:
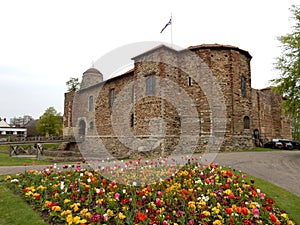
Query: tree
(73,84)
(50,123)
(295,128)
(288,65)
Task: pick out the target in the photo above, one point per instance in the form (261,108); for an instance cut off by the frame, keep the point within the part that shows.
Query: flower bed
(195,194)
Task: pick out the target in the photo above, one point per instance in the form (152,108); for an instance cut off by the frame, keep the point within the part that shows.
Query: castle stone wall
(192,93)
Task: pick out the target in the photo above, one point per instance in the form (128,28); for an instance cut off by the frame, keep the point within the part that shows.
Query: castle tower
(91,77)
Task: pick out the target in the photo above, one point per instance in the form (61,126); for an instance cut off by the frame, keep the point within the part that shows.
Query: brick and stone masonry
(146,110)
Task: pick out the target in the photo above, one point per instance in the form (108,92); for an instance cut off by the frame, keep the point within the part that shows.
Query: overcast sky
(44,43)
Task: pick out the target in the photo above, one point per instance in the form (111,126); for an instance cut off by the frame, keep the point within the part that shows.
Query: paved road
(281,168)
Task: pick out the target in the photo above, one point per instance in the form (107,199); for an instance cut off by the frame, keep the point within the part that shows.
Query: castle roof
(266,88)
(218,46)
(92,70)
(155,49)
(196,47)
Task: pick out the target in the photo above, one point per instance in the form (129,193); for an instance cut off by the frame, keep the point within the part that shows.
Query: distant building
(7,130)
(20,121)
(31,128)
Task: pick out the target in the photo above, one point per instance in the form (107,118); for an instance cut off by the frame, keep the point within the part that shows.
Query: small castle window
(91,103)
(132,94)
(132,120)
(91,125)
(189,81)
(150,85)
(111,97)
(246,122)
(243,86)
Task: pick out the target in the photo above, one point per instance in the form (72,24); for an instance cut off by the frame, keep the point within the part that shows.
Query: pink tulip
(255,213)
(157,201)
(117,196)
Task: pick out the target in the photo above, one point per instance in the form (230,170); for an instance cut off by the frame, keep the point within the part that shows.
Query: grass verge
(14,210)
(283,198)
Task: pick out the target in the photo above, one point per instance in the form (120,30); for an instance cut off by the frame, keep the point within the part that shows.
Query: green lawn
(5,160)
(14,210)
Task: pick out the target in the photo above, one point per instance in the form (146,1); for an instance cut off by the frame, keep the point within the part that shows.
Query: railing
(39,139)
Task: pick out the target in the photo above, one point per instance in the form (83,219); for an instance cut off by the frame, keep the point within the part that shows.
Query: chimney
(4,119)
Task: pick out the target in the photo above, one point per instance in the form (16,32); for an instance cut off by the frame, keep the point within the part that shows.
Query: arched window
(246,122)
(82,127)
(243,86)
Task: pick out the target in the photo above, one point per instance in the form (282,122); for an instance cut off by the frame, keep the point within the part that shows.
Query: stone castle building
(171,100)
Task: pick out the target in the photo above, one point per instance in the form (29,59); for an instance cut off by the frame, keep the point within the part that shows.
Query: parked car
(286,144)
(273,144)
(296,144)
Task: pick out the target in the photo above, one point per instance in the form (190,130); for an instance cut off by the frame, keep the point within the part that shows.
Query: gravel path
(281,168)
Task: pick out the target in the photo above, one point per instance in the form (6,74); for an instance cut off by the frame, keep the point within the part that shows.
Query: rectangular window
(91,125)
(243,86)
(190,81)
(111,97)
(150,85)
(132,94)
(132,120)
(91,103)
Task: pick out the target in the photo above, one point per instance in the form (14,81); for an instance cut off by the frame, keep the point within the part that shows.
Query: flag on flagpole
(169,23)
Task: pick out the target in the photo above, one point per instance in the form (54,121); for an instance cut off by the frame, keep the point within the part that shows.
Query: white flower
(89,180)
(62,185)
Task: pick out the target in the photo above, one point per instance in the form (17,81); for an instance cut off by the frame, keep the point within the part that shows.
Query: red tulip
(229,211)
